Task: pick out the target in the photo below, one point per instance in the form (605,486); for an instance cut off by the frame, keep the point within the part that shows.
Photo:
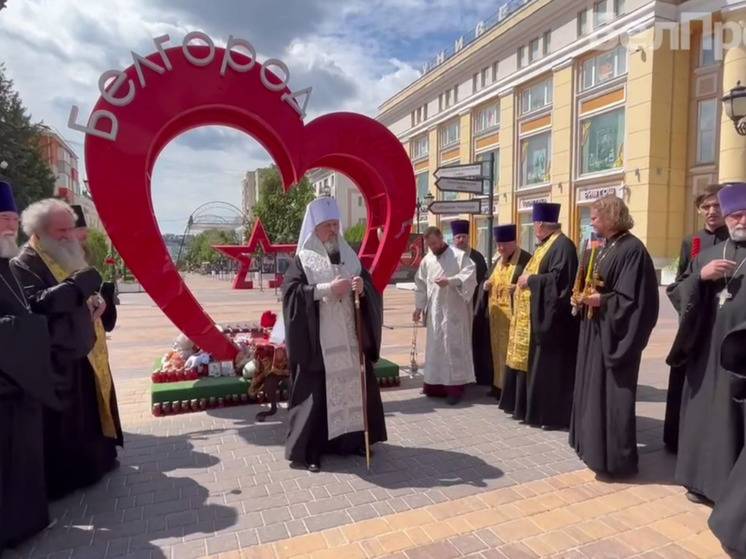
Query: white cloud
(355,55)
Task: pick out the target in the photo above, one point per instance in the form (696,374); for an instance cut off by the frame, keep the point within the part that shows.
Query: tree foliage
(201,251)
(281,213)
(354,235)
(30,175)
(97,249)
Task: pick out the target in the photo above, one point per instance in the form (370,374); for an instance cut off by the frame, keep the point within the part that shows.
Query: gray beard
(68,254)
(738,235)
(8,246)
(332,246)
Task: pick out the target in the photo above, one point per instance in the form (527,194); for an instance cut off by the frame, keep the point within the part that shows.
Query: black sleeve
(300,314)
(550,290)
(685,257)
(109,318)
(629,309)
(371,306)
(64,297)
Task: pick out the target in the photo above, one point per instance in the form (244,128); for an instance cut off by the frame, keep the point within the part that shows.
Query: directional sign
(459,185)
(469,170)
(459,207)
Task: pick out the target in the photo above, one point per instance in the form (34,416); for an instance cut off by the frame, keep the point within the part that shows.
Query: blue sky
(354,53)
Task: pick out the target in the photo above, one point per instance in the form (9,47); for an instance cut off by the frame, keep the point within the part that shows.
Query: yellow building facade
(580,99)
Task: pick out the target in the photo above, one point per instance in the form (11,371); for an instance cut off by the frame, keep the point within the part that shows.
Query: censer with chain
(413,351)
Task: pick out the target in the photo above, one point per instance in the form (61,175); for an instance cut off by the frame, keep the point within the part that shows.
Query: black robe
(676,377)
(76,452)
(307,438)
(480,333)
(25,387)
(603,428)
(711,430)
(554,338)
(728,518)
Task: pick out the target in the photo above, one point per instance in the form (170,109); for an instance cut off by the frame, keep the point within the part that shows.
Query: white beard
(738,235)
(332,246)
(8,246)
(68,254)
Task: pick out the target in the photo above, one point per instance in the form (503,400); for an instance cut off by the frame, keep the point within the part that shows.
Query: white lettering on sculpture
(140,61)
(228,56)
(292,99)
(205,39)
(93,121)
(265,79)
(158,42)
(108,93)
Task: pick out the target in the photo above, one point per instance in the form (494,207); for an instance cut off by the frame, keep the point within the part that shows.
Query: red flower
(268,319)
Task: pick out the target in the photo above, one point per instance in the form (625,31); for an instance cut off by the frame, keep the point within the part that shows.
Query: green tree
(98,250)
(30,175)
(201,251)
(281,213)
(354,235)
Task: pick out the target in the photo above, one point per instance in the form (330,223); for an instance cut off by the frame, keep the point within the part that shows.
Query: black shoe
(453,400)
(698,498)
(314,468)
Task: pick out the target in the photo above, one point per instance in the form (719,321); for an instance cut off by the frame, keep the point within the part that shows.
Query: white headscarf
(311,249)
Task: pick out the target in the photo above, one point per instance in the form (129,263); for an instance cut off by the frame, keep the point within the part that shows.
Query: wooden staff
(363,379)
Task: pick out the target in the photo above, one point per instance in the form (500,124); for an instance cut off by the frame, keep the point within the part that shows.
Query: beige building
(350,201)
(577,99)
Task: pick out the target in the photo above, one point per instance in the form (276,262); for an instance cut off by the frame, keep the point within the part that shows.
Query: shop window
(602,142)
(422,185)
(535,159)
(526,231)
(707,51)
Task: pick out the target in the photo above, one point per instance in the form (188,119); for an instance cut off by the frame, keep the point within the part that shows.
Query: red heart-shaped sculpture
(188,96)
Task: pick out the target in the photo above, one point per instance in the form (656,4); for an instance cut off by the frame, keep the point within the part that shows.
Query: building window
(601,13)
(483,77)
(521,57)
(494,72)
(547,42)
(533,50)
(604,67)
(455,94)
(359,201)
(602,142)
(535,159)
(495,169)
(619,7)
(536,97)
(707,113)
(474,82)
(707,51)
(583,23)
(419,147)
(449,135)
(486,119)
(422,185)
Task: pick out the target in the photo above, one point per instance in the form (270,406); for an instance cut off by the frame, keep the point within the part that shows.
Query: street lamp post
(734,105)
(423,204)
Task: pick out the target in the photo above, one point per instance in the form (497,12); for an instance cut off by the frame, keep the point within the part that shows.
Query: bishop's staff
(363,376)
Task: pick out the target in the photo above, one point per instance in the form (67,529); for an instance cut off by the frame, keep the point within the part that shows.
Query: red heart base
(187,96)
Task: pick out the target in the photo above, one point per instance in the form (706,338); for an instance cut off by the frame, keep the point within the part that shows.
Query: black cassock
(554,338)
(76,452)
(307,438)
(711,430)
(676,377)
(25,387)
(603,427)
(728,519)
(480,333)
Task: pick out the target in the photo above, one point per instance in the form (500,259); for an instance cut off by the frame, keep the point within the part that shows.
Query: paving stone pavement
(216,483)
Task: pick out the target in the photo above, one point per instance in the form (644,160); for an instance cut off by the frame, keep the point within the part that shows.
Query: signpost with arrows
(467,178)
